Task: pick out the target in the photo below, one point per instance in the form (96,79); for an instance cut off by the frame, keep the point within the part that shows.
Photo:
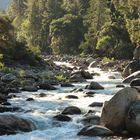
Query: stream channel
(42,110)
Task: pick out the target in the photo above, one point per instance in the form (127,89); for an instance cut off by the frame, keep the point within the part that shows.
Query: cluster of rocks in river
(120,115)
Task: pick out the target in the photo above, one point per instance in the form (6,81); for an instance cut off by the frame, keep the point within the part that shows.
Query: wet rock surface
(95,131)
(11,124)
(94,86)
(62,118)
(71,110)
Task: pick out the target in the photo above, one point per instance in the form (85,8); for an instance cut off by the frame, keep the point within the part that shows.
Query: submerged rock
(42,95)
(77,90)
(66,85)
(30,99)
(111,77)
(120,86)
(71,110)
(6,104)
(94,86)
(71,97)
(10,124)
(115,111)
(95,131)
(90,93)
(62,117)
(133,118)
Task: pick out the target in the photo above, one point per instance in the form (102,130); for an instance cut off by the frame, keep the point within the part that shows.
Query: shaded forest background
(108,28)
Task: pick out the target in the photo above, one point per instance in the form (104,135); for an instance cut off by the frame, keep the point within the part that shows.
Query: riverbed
(42,110)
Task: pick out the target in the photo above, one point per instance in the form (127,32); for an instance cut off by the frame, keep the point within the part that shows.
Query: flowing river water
(42,110)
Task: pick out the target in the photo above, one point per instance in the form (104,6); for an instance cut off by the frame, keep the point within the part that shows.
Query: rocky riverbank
(118,116)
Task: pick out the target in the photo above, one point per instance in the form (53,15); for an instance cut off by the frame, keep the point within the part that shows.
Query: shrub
(60,78)
(104,42)
(106,59)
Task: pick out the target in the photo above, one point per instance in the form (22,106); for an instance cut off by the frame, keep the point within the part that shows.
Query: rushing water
(42,110)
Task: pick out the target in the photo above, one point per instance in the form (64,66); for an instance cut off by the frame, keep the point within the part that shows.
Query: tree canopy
(105,28)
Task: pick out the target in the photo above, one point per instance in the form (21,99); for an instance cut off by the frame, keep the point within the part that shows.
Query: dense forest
(108,28)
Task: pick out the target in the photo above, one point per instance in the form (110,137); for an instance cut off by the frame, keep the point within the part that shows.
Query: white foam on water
(42,110)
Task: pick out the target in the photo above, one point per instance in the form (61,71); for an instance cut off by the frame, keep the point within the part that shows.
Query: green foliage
(104,42)
(6,70)
(107,28)
(66,34)
(22,73)
(60,78)
(106,59)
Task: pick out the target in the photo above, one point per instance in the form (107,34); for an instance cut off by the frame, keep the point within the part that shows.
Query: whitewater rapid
(42,110)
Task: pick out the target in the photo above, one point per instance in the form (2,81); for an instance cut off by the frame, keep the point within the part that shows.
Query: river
(42,109)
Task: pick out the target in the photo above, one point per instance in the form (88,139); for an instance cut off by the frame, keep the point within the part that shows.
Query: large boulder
(8,77)
(115,111)
(133,118)
(132,77)
(131,68)
(10,124)
(94,86)
(95,131)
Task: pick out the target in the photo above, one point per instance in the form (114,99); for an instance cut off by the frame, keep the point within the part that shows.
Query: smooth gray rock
(115,110)
(71,110)
(95,131)
(11,124)
(94,86)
